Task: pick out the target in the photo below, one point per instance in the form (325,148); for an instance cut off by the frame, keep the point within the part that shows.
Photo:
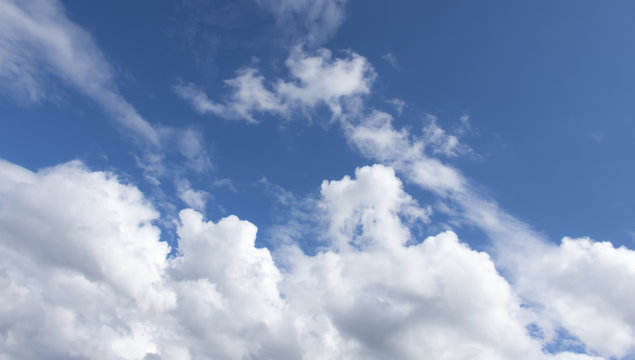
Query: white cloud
(83,275)
(588,288)
(82,270)
(515,244)
(313,22)
(197,98)
(440,142)
(315,79)
(249,95)
(580,286)
(195,199)
(38,42)
(320,79)
(379,295)
(375,137)
(229,304)
(370,205)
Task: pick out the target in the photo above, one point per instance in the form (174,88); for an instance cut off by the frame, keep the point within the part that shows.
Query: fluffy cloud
(249,95)
(580,287)
(320,78)
(85,275)
(38,42)
(229,304)
(586,287)
(366,211)
(82,270)
(315,79)
(378,294)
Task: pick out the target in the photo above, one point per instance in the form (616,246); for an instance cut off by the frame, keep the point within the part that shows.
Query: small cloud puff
(316,79)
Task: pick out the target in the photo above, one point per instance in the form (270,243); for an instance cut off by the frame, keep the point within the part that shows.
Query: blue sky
(342,130)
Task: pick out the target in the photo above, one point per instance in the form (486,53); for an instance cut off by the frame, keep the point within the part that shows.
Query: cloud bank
(84,275)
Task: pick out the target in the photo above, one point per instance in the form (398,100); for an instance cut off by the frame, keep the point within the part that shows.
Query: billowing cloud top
(85,275)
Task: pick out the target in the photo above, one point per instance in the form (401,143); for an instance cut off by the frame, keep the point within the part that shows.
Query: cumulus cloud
(38,43)
(380,298)
(580,287)
(84,275)
(586,287)
(515,245)
(315,79)
(229,303)
(370,205)
(82,270)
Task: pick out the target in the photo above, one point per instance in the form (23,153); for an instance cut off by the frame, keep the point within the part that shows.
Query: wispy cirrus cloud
(391,58)
(41,49)
(399,104)
(310,22)
(441,142)
(39,43)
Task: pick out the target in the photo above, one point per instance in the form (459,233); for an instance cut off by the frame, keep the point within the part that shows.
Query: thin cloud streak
(38,41)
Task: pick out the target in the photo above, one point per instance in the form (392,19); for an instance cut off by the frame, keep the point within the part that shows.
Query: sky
(328,179)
